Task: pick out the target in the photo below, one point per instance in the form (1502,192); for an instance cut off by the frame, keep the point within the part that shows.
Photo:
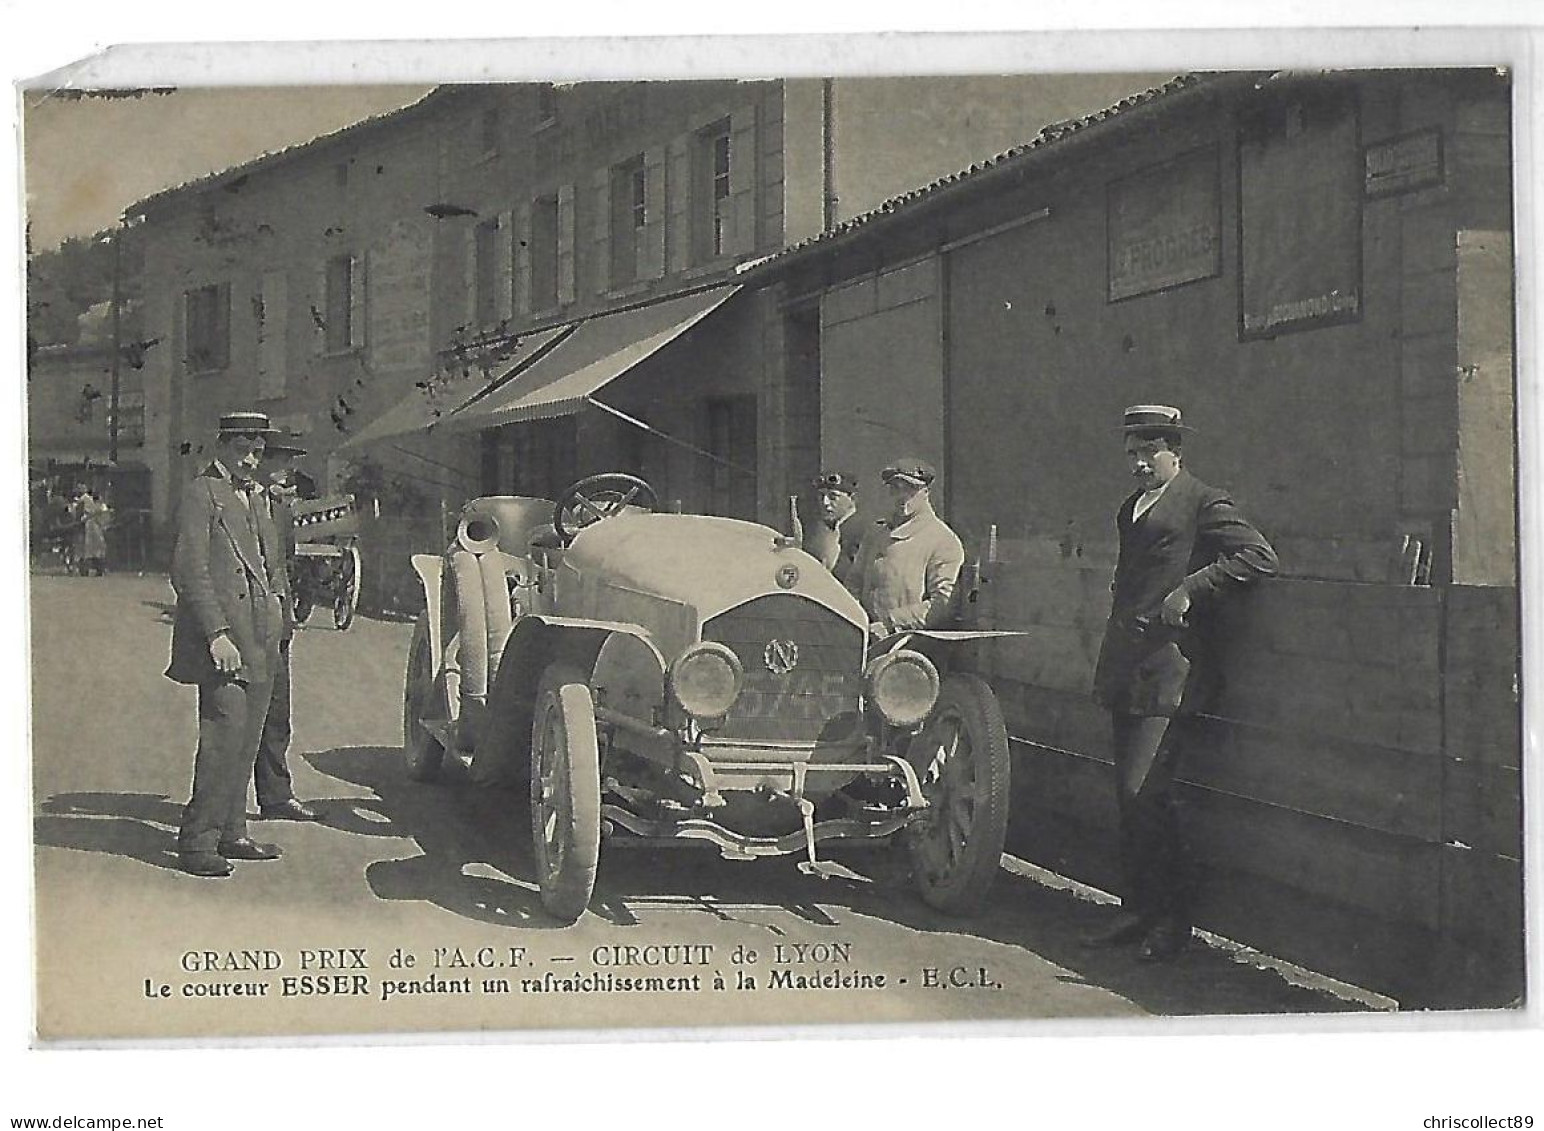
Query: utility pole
(112,398)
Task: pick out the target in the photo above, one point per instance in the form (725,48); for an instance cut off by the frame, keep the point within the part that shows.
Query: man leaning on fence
(1184,546)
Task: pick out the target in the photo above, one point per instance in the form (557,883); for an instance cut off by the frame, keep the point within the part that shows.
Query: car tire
(565,791)
(961,758)
(421,751)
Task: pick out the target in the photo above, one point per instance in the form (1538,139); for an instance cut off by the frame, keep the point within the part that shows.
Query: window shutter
(651,249)
(504,266)
(357,305)
(742,181)
(678,228)
(567,290)
(222,326)
(469,278)
(273,336)
(319,308)
(522,253)
(602,246)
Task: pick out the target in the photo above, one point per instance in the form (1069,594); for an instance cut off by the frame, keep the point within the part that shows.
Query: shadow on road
(476,862)
(473,840)
(137,826)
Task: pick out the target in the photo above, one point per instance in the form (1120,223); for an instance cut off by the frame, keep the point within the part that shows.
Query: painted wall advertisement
(1300,193)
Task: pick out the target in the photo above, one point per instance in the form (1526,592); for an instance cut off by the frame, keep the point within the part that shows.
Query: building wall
(881,358)
(64,422)
(404,198)
(1354,795)
(1340,435)
(267,238)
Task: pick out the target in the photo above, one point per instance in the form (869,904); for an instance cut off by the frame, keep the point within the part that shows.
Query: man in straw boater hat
(276,798)
(1183,547)
(228,573)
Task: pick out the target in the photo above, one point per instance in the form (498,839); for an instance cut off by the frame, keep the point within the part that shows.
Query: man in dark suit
(1183,547)
(228,573)
(275,793)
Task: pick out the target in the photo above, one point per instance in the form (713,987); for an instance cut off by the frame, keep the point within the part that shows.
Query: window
(208,313)
(544,253)
(536,458)
(629,214)
(342,304)
(131,419)
(486,273)
(711,217)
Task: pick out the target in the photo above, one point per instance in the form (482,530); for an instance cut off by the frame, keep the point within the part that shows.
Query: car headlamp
(902,686)
(706,679)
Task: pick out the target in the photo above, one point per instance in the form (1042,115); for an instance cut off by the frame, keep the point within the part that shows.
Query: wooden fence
(1355,800)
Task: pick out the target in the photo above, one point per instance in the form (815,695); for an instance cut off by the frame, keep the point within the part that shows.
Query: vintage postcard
(565,555)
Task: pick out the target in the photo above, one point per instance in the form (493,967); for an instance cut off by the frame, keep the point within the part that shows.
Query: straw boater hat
(246,424)
(1153,418)
(917,472)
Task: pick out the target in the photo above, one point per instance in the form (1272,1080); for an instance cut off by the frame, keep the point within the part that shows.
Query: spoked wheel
(961,757)
(565,792)
(421,751)
(347,599)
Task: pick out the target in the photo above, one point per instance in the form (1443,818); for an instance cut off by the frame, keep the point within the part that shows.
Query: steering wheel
(597,497)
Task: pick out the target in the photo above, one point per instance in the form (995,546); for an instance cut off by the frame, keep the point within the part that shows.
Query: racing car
(660,676)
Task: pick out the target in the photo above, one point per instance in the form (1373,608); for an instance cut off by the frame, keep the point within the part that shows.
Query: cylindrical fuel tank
(502,522)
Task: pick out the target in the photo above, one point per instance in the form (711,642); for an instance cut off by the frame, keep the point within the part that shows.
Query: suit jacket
(228,573)
(283,516)
(1194,537)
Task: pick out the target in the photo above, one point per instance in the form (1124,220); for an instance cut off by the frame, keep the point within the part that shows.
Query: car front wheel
(565,792)
(961,758)
(421,751)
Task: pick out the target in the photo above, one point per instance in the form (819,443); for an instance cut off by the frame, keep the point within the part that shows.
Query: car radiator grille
(820,694)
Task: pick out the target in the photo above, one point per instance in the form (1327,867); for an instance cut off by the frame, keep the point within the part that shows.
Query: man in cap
(828,504)
(228,574)
(275,793)
(1184,546)
(909,562)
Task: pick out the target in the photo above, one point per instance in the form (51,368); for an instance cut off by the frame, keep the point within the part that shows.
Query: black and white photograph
(564,556)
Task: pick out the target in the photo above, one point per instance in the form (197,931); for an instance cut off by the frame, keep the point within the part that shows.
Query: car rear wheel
(421,751)
(961,758)
(565,792)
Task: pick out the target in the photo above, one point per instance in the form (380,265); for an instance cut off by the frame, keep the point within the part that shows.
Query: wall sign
(1164,226)
(1300,213)
(1403,164)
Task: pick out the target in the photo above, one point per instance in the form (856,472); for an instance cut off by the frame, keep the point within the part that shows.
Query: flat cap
(917,471)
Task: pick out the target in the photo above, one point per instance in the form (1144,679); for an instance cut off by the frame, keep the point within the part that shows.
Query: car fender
(620,654)
(430,569)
